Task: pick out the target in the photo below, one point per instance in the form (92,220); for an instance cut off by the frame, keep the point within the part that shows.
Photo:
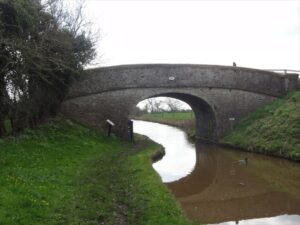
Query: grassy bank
(273,129)
(64,173)
(184,120)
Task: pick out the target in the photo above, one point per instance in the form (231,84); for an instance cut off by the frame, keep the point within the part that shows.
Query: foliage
(161,104)
(173,105)
(154,105)
(273,129)
(64,173)
(41,52)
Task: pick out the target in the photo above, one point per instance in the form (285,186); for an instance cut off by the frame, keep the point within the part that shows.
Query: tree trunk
(2,105)
(2,127)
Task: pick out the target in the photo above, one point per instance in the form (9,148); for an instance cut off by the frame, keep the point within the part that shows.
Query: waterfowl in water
(243,161)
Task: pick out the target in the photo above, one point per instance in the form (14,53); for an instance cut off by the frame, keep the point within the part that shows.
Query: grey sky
(258,34)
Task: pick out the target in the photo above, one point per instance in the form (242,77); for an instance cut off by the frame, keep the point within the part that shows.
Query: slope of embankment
(273,129)
(64,173)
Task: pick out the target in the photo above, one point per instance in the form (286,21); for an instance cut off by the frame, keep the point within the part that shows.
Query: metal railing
(284,71)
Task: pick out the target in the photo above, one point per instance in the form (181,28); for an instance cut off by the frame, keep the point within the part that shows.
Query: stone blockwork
(219,95)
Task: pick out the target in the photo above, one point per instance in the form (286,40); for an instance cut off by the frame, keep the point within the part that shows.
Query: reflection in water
(218,189)
(180,158)
(221,189)
(278,220)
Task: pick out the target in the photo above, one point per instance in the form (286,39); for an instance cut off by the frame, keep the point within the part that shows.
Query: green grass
(64,173)
(273,129)
(169,116)
(7,126)
(184,120)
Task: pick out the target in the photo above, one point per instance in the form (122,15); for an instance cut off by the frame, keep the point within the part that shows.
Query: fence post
(130,130)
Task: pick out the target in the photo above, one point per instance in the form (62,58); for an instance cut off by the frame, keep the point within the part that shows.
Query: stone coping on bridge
(151,65)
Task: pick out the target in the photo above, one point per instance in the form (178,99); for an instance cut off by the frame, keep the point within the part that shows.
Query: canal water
(218,186)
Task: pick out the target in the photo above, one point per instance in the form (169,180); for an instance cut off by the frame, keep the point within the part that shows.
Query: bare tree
(154,105)
(173,104)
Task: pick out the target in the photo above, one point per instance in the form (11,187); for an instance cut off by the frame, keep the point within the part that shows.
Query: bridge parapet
(183,75)
(292,81)
(219,95)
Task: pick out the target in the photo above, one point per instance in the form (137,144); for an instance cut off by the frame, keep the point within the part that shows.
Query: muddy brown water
(216,186)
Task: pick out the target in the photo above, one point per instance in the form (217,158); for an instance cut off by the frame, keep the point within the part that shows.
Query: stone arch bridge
(219,95)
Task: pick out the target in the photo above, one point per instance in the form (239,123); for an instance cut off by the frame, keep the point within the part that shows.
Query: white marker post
(110,125)
(231,119)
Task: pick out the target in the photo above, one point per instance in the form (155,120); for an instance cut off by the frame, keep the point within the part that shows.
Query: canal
(222,186)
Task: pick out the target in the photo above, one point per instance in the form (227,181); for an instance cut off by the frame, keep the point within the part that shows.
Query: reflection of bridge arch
(201,177)
(216,93)
(212,194)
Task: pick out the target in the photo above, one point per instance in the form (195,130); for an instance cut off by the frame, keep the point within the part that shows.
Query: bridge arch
(206,127)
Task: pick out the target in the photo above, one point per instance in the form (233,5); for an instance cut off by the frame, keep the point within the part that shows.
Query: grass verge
(183,120)
(273,129)
(64,173)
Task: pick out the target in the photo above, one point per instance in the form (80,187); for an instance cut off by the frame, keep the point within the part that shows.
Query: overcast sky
(258,34)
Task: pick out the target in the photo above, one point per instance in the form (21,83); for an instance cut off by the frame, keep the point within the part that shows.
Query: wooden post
(110,125)
(130,130)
